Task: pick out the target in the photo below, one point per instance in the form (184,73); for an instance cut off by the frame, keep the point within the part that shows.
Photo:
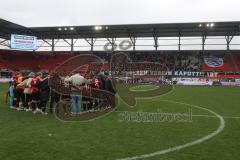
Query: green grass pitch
(24,136)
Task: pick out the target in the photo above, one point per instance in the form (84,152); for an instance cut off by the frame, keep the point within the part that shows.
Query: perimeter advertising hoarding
(23,42)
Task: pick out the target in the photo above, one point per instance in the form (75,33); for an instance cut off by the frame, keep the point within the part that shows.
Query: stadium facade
(199,50)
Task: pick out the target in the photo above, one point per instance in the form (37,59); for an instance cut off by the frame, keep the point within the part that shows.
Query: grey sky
(96,12)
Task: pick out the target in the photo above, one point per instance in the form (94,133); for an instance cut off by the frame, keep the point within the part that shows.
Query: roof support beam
(179,42)
(228,40)
(155,38)
(47,42)
(53,45)
(204,37)
(133,40)
(72,45)
(67,42)
(155,43)
(91,42)
(112,42)
(5,43)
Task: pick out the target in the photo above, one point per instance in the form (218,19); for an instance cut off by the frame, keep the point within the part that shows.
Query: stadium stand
(190,61)
(19,60)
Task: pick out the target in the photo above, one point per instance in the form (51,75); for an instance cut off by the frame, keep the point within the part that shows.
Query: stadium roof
(7,28)
(123,31)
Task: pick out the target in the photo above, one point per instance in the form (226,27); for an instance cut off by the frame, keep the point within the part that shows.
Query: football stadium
(99,80)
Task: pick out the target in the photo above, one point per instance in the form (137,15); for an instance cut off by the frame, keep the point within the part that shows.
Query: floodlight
(97,28)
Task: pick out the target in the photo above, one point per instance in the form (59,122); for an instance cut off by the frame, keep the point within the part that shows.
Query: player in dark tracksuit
(35,93)
(44,92)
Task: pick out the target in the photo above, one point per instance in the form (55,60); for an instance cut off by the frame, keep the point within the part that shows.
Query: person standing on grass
(44,91)
(109,86)
(27,91)
(102,79)
(54,98)
(11,95)
(36,92)
(20,97)
(77,81)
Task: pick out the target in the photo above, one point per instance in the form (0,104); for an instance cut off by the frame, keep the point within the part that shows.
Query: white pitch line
(194,115)
(179,147)
(225,117)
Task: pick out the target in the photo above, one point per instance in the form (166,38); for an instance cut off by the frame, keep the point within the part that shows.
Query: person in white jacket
(77,81)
